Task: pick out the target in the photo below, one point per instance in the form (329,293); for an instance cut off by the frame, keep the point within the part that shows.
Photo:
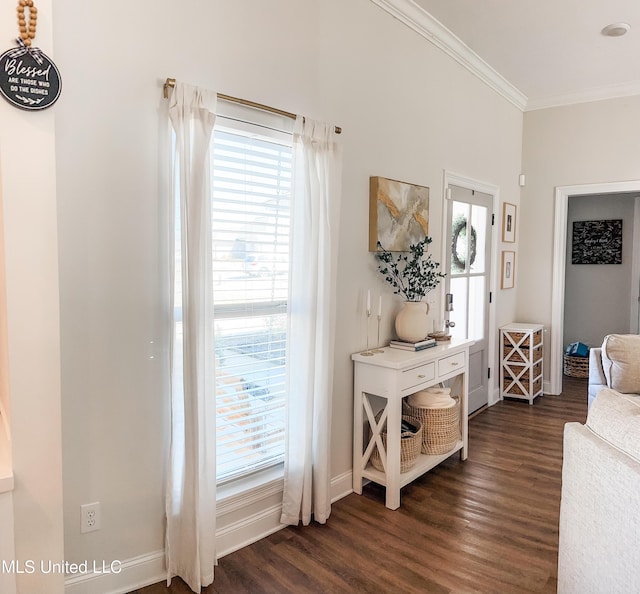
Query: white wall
(587,143)
(408,112)
(7,537)
(27,153)
(592,309)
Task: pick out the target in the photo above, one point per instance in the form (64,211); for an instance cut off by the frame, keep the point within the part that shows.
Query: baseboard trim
(253,528)
(148,569)
(248,530)
(341,486)
(494,397)
(128,575)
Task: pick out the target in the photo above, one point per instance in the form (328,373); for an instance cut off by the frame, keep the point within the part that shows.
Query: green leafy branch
(411,274)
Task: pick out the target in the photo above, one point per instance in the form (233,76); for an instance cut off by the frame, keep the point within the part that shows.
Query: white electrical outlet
(90,517)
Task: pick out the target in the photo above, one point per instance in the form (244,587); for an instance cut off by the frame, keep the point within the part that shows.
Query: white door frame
(559,265)
(634,319)
(462,181)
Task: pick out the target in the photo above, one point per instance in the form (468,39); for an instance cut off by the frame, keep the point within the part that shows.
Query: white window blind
(251,187)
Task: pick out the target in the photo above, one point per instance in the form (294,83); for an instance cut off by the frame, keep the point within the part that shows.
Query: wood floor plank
(489,524)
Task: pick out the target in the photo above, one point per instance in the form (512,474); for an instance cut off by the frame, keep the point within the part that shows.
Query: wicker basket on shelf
(410,444)
(576,366)
(440,426)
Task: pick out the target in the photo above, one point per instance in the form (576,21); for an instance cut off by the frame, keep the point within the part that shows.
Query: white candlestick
(368,302)
(380,306)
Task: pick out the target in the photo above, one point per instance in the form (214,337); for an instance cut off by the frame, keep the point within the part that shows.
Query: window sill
(242,492)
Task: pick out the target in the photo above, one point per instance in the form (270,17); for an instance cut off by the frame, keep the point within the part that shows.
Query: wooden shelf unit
(521,356)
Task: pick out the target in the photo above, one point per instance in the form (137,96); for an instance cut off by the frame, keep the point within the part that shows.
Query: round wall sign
(29,79)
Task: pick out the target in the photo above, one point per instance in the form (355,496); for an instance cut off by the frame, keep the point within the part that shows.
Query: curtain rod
(171,82)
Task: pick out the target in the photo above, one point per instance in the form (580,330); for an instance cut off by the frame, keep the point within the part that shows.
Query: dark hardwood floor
(487,525)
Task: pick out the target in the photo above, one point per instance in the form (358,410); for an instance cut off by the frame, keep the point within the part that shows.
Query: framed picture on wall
(508,222)
(398,214)
(597,242)
(508,270)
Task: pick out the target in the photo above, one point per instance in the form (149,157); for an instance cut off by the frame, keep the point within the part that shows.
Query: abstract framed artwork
(508,270)
(398,214)
(508,222)
(597,242)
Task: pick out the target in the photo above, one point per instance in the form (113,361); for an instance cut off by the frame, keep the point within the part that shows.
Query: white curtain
(190,498)
(316,217)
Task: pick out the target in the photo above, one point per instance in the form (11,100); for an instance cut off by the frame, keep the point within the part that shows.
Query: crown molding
(420,21)
(586,96)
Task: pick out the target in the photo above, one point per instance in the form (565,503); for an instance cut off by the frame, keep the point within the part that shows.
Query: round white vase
(412,323)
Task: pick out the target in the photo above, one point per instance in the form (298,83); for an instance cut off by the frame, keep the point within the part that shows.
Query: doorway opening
(559,266)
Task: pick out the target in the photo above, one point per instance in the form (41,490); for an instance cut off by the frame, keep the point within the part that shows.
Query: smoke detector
(616,29)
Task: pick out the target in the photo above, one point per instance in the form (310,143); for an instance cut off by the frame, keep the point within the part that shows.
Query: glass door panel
(478,239)
(459,287)
(477,292)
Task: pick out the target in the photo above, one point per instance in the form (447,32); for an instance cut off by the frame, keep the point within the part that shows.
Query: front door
(468,263)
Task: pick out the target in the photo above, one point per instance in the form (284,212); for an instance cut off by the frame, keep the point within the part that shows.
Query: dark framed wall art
(508,222)
(597,242)
(508,270)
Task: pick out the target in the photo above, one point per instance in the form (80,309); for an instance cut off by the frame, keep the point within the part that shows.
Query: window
(251,203)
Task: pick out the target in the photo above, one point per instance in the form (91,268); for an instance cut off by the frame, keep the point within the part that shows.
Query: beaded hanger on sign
(27,31)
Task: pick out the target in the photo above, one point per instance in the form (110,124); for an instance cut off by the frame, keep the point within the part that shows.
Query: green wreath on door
(458,231)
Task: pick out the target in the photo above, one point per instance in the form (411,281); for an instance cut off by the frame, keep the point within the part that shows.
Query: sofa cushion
(621,362)
(615,417)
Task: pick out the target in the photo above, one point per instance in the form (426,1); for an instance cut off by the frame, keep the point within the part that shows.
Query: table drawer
(417,375)
(450,364)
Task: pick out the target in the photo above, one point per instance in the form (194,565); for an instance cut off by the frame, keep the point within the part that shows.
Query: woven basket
(513,388)
(515,357)
(576,366)
(516,337)
(440,426)
(410,444)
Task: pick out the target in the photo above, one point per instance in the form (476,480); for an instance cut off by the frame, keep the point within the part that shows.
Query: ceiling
(552,51)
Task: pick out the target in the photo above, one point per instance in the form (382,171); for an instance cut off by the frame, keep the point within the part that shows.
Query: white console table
(392,375)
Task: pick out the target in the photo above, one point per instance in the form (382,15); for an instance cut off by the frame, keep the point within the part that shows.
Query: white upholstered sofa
(615,365)
(599,547)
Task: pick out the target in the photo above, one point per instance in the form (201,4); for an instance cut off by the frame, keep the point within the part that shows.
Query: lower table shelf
(424,463)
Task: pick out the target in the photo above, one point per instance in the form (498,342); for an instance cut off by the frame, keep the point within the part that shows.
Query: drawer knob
(454,363)
(421,375)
